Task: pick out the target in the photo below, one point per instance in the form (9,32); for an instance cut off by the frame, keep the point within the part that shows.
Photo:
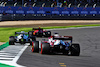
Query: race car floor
(89,40)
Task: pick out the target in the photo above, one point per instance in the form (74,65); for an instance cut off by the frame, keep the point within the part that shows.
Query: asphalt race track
(89,40)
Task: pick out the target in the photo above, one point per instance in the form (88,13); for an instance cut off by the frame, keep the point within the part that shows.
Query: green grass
(55,27)
(4,65)
(6,32)
(4,45)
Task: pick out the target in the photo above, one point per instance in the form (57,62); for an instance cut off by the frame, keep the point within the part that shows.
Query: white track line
(4,53)
(74,28)
(19,54)
(14,60)
(6,58)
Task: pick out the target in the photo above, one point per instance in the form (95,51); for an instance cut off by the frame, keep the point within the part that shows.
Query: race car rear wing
(21,33)
(37,29)
(63,37)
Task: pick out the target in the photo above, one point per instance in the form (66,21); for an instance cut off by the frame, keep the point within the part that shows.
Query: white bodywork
(19,37)
(53,42)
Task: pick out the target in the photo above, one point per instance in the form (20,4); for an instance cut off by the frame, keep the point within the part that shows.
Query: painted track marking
(19,54)
(62,64)
(11,54)
(74,28)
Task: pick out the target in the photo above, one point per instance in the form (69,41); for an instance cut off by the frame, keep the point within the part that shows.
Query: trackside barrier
(4,45)
(51,10)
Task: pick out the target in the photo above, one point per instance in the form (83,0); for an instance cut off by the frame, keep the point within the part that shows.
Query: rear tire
(45,48)
(11,40)
(35,46)
(75,49)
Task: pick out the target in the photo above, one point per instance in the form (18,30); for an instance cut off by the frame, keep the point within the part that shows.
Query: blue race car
(21,37)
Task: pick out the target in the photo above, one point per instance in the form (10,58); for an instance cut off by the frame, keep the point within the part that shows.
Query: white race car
(56,44)
(21,37)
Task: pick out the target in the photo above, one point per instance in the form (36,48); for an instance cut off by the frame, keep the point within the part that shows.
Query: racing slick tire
(35,46)
(45,48)
(11,40)
(75,49)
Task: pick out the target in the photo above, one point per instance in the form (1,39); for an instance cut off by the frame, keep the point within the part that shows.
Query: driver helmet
(22,33)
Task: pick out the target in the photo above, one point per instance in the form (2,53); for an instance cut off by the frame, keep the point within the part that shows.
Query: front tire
(75,49)
(11,40)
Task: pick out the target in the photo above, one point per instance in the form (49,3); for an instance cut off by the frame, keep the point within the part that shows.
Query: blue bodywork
(66,44)
(26,37)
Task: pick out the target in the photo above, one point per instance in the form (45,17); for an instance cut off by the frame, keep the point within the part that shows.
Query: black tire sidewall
(11,40)
(45,48)
(75,49)
(36,46)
